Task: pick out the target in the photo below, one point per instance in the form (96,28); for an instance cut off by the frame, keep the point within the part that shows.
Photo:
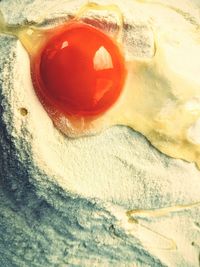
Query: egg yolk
(80,71)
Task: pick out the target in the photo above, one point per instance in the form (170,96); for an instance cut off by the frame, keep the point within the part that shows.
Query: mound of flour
(64,202)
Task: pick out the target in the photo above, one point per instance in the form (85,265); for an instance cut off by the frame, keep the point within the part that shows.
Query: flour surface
(105,200)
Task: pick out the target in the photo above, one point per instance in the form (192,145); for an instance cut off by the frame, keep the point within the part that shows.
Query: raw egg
(86,82)
(79,72)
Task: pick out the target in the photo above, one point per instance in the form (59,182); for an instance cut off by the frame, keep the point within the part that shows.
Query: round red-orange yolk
(80,71)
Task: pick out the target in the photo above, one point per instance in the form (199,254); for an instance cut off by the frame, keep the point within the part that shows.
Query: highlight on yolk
(80,71)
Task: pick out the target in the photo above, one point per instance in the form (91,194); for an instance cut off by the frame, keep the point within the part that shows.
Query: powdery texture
(64,202)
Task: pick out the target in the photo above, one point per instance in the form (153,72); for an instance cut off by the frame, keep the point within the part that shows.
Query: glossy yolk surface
(80,71)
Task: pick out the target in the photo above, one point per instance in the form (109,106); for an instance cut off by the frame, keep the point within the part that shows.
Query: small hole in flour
(23,111)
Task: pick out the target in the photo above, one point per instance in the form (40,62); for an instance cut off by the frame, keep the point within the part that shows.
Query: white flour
(118,167)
